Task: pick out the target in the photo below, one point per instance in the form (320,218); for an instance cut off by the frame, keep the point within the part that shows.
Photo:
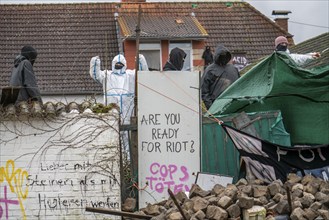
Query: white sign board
(168,133)
(207,181)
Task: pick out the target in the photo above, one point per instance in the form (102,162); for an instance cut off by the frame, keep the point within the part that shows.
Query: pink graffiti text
(6,202)
(168,177)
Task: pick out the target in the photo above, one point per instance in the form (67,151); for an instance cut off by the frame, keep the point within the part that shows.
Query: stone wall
(309,200)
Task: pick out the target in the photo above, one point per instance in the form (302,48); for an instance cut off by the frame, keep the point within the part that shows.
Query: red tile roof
(162,27)
(66,36)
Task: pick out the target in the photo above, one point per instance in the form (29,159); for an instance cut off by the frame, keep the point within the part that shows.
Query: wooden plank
(172,196)
(118,213)
(242,122)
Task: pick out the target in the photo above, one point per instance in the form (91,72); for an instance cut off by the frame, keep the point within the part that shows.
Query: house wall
(164,51)
(198,48)
(130,53)
(53,168)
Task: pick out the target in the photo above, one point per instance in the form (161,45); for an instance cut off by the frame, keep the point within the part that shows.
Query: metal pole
(106,68)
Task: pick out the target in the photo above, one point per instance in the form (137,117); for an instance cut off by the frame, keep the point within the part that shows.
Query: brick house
(66,36)
(161,34)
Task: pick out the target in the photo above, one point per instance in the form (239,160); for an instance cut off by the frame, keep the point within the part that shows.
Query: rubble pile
(309,198)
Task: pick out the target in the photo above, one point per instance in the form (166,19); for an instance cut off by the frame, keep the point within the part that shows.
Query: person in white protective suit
(119,87)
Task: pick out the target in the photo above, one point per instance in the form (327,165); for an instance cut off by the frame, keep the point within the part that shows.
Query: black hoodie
(218,76)
(23,76)
(176,60)
(207,56)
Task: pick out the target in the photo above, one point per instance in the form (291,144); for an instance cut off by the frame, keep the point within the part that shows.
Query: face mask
(281,47)
(119,66)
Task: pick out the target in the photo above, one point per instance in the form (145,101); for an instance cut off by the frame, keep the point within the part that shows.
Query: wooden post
(133,121)
(289,198)
(172,196)
(117,213)
(138,31)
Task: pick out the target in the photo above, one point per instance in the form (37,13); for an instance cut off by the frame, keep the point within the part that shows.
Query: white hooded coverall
(119,88)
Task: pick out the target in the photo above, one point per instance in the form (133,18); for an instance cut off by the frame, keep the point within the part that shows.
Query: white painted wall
(53,168)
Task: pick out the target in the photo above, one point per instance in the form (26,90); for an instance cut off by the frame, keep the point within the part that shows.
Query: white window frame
(152,46)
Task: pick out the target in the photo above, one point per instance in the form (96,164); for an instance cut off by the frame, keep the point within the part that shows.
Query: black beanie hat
(30,53)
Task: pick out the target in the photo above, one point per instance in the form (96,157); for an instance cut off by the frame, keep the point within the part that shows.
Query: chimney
(281,18)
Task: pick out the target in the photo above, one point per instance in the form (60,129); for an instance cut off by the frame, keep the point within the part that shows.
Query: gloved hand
(315,55)
(95,64)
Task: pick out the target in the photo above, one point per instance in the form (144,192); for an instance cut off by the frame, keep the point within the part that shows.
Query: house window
(187,47)
(151,52)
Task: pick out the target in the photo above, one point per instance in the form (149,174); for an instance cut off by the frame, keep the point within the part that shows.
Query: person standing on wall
(176,60)
(118,87)
(118,83)
(281,45)
(208,57)
(218,76)
(23,76)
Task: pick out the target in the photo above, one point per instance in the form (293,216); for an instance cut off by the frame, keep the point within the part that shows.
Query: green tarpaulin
(277,83)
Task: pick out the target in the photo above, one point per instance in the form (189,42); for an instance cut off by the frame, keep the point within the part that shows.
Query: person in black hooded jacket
(208,57)
(218,76)
(176,60)
(23,76)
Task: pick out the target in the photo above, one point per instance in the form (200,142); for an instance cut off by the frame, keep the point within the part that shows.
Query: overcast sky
(308,18)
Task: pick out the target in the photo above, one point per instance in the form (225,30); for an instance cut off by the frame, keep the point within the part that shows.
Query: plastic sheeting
(219,156)
(277,83)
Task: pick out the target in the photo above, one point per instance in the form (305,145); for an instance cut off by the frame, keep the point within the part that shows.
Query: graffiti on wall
(168,134)
(63,183)
(165,137)
(168,176)
(15,178)
(70,163)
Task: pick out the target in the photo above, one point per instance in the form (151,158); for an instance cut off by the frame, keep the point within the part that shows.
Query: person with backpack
(218,76)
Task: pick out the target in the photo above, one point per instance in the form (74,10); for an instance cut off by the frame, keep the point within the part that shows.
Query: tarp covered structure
(269,162)
(277,83)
